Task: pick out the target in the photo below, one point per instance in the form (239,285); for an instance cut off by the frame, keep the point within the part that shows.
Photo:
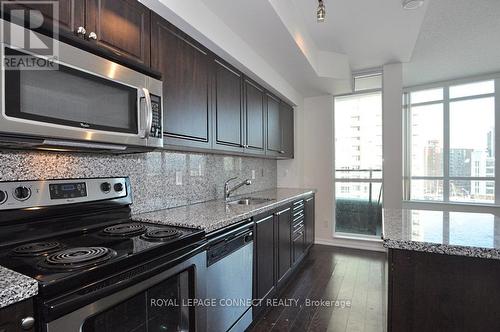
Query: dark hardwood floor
(353,280)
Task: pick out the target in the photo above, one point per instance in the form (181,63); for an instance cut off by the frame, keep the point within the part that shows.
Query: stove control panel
(36,194)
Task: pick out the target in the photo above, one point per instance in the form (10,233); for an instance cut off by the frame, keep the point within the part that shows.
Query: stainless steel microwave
(88,102)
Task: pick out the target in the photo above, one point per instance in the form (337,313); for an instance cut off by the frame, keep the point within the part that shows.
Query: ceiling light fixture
(412,4)
(321,11)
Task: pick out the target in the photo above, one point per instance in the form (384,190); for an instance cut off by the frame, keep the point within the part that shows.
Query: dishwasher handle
(225,248)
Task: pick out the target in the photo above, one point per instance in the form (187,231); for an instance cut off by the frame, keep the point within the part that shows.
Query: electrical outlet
(178,178)
(253,174)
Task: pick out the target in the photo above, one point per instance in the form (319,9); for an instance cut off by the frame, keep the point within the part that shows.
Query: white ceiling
(367,33)
(370,32)
(260,27)
(459,38)
(441,40)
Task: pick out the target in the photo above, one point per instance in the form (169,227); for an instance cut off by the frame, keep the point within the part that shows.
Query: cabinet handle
(27,323)
(93,36)
(81,31)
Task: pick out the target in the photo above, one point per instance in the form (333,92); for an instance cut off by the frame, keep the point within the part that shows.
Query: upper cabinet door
(286,119)
(121,26)
(71,13)
(273,126)
(255,118)
(228,114)
(184,66)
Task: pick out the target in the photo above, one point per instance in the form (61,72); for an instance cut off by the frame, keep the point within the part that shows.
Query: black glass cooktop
(100,250)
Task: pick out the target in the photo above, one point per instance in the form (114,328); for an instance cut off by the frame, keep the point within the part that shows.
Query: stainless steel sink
(249,201)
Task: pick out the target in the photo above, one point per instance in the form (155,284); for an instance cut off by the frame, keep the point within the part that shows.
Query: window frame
(446,101)
(347,180)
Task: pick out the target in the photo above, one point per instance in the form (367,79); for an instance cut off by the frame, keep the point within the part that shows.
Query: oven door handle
(147,116)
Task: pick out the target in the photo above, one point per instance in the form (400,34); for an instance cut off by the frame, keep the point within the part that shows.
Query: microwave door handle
(147,116)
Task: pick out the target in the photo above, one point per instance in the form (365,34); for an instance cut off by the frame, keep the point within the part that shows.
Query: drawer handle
(27,323)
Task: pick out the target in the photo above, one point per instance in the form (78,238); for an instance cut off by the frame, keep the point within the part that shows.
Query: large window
(450,142)
(358,164)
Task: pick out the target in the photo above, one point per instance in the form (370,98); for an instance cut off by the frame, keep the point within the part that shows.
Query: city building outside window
(450,142)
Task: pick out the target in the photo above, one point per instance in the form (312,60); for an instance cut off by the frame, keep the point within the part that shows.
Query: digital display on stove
(67,190)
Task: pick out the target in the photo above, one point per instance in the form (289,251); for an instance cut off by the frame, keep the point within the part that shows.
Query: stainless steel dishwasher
(229,279)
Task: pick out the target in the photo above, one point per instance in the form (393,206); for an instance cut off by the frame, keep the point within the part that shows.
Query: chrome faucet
(227,191)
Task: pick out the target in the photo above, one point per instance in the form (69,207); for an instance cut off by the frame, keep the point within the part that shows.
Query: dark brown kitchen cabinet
(298,245)
(273,126)
(279,247)
(70,14)
(120,26)
(442,292)
(309,221)
(287,132)
(17,317)
(185,68)
(255,117)
(264,253)
(228,107)
(283,224)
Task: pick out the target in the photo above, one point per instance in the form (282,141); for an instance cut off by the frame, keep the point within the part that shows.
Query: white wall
(392,120)
(312,166)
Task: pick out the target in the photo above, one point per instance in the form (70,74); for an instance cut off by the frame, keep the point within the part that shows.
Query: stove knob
(3,197)
(118,187)
(22,193)
(106,187)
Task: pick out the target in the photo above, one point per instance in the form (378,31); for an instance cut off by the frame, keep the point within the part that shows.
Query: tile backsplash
(155,176)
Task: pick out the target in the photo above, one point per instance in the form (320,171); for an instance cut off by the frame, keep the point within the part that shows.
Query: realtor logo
(29,35)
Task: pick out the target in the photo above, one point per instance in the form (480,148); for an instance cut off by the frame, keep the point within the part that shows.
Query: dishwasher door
(229,283)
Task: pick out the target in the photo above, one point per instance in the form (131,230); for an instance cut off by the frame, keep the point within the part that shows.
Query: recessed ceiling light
(412,4)
(321,11)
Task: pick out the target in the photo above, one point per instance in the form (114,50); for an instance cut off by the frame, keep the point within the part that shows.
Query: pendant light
(321,11)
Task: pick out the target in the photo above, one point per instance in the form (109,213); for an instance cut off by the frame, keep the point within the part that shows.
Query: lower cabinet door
(264,254)
(298,245)
(309,221)
(283,220)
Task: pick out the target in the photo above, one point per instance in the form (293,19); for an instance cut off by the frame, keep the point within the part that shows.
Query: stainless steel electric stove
(98,269)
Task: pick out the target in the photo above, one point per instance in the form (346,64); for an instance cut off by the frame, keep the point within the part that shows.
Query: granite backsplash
(153,175)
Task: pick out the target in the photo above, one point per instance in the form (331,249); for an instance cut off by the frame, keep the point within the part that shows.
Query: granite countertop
(15,287)
(213,215)
(442,232)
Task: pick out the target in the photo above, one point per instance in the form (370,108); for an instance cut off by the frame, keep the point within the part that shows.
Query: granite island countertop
(442,232)
(213,215)
(15,287)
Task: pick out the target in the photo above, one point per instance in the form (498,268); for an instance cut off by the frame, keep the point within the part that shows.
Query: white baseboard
(352,243)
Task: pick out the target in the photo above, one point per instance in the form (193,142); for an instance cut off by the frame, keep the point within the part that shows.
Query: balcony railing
(358,201)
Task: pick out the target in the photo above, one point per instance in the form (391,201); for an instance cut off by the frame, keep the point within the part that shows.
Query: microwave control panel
(156,127)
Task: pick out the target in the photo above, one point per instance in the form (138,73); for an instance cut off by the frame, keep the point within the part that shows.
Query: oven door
(161,303)
(83,97)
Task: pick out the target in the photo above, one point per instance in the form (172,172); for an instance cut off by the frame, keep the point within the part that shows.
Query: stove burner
(77,258)
(36,248)
(127,229)
(162,234)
